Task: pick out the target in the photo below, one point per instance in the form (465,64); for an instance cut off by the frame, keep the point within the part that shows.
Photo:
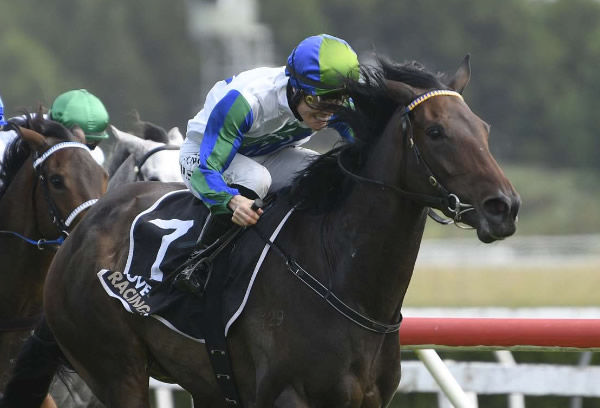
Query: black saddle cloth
(161,240)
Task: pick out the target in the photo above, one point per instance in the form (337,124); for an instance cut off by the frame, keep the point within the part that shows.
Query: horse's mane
(18,150)
(150,131)
(322,185)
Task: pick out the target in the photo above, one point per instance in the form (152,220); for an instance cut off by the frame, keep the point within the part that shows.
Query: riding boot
(214,228)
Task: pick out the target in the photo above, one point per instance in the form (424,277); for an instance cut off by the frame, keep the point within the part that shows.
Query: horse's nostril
(497,207)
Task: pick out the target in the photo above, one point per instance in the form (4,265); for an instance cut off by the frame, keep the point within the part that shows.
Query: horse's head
(447,155)
(68,177)
(138,159)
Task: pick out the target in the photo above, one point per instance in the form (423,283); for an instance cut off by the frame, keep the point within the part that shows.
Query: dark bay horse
(356,229)
(48,180)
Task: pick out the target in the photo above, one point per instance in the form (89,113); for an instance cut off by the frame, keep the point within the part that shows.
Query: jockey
(83,109)
(77,108)
(6,134)
(246,140)
(2,120)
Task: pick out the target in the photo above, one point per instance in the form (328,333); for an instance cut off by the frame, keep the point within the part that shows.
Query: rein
(138,166)
(61,225)
(323,291)
(445,199)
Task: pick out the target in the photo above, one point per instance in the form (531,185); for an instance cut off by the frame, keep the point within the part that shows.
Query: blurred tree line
(534,62)
(134,55)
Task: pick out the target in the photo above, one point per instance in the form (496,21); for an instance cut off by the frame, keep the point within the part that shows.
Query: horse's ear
(401,92)
(461,77)
(35,140)
(116,132)
(175,136)
(124,137)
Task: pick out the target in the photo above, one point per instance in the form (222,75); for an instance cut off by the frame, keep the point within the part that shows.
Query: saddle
(194,274)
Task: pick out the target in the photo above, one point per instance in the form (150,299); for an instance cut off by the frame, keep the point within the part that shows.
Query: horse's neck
(381,236)
(373,241)
(124,173)
(116,159)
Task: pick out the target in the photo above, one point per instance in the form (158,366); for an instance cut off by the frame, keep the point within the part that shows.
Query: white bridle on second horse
(146,160)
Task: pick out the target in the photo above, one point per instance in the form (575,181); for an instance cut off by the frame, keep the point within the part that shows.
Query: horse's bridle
(444,198)
(61,224)
(138,166)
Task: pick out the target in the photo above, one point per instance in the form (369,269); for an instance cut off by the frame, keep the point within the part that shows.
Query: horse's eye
(57,181)
(435,132)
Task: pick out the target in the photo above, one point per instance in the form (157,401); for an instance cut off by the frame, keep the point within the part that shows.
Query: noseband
(444,198)
(61,224)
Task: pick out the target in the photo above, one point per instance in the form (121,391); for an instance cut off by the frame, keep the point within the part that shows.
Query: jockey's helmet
(80,107)
(321,64)
(2,118)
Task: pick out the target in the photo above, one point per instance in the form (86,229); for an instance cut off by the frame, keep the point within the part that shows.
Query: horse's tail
(37,362)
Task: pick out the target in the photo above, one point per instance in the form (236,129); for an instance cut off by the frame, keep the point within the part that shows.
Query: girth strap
(218,352)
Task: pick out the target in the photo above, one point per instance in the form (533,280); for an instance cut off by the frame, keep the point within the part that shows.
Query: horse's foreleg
(48,402)
(128,394)
(289,398)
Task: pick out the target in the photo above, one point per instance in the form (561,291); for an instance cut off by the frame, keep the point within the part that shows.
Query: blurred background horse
(129,151)
(153,156)
(49,179)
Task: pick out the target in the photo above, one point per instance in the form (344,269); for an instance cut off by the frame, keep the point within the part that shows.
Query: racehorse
(153,157)
(320,325)
(49,179)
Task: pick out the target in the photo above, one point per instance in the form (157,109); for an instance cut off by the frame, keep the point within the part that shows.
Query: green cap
(79,107)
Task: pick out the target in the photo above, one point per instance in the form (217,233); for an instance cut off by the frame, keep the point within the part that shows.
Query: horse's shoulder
(116,209)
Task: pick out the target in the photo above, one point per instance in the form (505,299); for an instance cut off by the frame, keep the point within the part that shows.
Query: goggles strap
(294,96)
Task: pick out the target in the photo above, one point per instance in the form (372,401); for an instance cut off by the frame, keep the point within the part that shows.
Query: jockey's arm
(230,119)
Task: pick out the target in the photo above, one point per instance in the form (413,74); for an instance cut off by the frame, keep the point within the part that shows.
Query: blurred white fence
(518,380)
(527,250)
